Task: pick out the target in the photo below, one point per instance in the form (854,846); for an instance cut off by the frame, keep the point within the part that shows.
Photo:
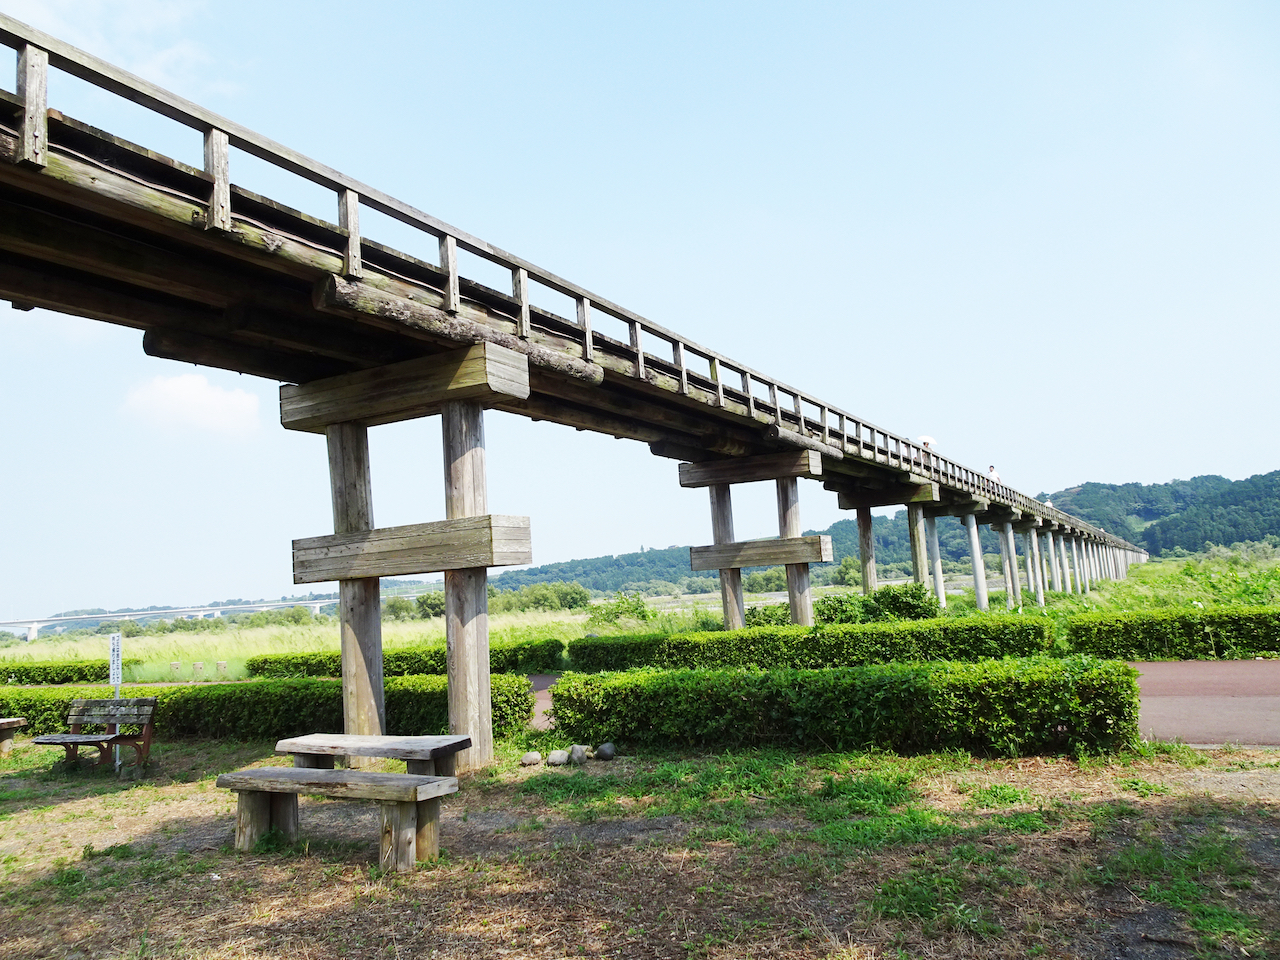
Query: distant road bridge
(362,334)
(33,627)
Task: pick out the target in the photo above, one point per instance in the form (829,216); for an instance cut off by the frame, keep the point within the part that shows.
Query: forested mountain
(1157,516)
(1185,513)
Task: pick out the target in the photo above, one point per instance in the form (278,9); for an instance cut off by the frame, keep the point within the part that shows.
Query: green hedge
(516,656)
(1238,633)
(60,671)
(1004,707)
(833,645)
(270,709)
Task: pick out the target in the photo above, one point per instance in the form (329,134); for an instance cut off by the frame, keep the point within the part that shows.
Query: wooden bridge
(361,334)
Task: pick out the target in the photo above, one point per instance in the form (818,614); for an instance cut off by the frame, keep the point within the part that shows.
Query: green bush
(1002,707)
(60,671)
(837,645)
(431,604)
(768,615)
(514,656)
(1224,633)
(271,709)
(623,606)
(901,601)
(839,608)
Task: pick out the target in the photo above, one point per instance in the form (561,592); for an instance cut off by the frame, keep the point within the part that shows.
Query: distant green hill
(1185,513)
(1157,516)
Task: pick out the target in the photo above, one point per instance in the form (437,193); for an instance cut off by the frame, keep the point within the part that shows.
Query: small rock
(606,751)
(531,759)
(578,754)
(558,758)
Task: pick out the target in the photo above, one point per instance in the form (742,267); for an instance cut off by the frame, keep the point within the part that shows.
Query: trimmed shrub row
(1002,707)
(809,648)
(60,671)
(517,656)
(1223,634)
(271,709)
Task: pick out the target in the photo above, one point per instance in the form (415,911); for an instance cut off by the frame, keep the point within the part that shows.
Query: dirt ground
(545,863)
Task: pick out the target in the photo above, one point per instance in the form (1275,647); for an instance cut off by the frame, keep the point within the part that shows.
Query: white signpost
(117,677)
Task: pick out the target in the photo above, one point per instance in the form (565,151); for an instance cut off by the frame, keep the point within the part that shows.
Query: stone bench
(8,727)
(267,798)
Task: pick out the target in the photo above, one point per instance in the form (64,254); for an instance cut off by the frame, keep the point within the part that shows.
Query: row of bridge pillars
(1061,561)
(1053,558)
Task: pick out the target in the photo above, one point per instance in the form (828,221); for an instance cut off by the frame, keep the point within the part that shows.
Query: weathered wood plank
(33,81)
(217,159)
(398,846)
(349,220)
(404,391)
(253,818)
(761,553)
(802,463)
(403,748)
(731,596)
(853,499)
(347,784)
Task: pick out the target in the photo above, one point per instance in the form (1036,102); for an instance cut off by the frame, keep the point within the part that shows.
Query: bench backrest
(137,710)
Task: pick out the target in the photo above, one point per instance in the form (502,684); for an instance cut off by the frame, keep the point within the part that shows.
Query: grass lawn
(1175,853)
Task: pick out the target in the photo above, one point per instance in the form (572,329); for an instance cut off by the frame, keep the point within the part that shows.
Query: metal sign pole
(117,676)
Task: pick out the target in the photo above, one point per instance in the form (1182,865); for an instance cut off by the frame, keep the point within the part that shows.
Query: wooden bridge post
(1008,566)
(979,568)
(360,603)
(1082,571)
(1067,582)
(731,597)
(466,591)
(1006,534)
(1051,551)
(798,590)
(1035,573)
(916,532)
(935,559)
(867,551)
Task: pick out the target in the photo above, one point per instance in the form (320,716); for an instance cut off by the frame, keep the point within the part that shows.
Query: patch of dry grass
(743,872)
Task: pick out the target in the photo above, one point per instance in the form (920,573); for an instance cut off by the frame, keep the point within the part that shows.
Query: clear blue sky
(1045,234)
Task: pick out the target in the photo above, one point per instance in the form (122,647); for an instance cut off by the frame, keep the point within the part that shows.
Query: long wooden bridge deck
(93,225)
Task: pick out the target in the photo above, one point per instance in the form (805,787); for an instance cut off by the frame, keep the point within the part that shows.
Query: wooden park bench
(112,714)
(267,798)
(8,727)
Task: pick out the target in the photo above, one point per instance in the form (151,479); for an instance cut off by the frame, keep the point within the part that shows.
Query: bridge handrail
(220,132)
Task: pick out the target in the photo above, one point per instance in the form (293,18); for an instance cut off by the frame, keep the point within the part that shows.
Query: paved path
(1203,703)
(1211,702)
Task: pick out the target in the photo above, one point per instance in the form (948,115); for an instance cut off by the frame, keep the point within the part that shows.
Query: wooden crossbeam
(958,508)
(462,544)
(772,466)
(888,496)
(407,390)
(761,553)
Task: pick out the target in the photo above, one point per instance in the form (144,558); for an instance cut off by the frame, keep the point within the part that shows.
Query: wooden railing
(841,432)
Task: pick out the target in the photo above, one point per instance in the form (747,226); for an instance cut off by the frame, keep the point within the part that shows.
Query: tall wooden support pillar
(979,568)
(731,579)
(1012,585)
(798,590)
(1034,570)
(1007,568)
(1066,567)
(1051,552)
(359,603)
(867,550)
(1082,570)
(465,591)
(935,559)
(916,533)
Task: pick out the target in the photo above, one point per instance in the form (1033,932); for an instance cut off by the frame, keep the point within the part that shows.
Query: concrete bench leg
(258,811)
(428,829)
(399,846)
(420,768)
(313,761)
(6,741)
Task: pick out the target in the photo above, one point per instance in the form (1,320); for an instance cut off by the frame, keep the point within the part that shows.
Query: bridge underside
(111,231)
